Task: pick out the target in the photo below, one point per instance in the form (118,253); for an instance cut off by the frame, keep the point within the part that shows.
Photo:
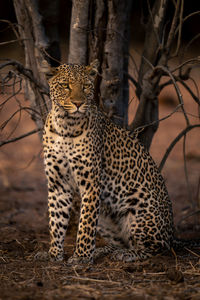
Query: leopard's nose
(78,104)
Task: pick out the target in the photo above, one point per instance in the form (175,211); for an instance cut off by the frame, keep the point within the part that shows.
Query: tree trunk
(147,91)
(35,42)
(99,29)
(114,83)
(79,32)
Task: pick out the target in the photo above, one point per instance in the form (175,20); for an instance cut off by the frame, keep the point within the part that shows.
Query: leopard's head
(72,87)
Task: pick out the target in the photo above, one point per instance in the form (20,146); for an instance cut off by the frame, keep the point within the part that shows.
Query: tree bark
(100,29)
(35,42)
(79,32)
(147,91)
(114,83)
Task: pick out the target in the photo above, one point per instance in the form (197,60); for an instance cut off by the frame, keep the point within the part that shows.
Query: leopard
(123,195)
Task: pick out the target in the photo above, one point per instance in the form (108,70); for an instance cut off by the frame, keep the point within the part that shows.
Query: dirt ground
(24,223)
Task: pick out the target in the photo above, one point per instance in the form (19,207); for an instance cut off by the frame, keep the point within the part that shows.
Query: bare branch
(26,72)
(180,26)
(12,26)
(27,109)
(173,27)
(176,88)
(162,119)
(132,80)
(191,15)
(173,143)
(177,78)
(186,170)
(10,42)
(20,137)
(190,43)
(196,99)
(189,61)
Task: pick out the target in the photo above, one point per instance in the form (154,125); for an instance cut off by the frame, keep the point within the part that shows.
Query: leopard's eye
(64,85)
(87,87)
(87,90)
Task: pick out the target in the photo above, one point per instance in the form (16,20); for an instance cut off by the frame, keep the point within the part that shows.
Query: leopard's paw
(76,260)
(103,251)
(123,255)
(56,254)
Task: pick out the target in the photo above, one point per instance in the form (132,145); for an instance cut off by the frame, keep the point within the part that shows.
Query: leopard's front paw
(55,254)
(48,256)
(76,260)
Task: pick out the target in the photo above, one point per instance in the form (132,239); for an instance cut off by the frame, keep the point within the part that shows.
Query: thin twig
(189,43)
(191,15)
(173,143)
(27,109)
(162,119)
(180,26)
(185,170)
(11,41)
(12,25)
(20,137)
(196,99)
(189,61)
(195,254)
(26,72)
(176,258)
(94,280)
(173,27)
(177,90)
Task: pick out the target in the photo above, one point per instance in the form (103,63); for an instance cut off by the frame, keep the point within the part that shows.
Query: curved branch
(132,80)
(20,137)
(189,61)
(196,99)
(4,124)
(176,88)
(158,121)
(173,143)
(191,15)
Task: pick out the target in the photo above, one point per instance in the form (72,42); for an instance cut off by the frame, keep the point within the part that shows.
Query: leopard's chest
(81,155)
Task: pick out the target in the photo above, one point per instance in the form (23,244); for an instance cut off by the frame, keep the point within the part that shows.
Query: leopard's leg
(136,240)
(59,204)
(143,240)
(110,232)
(61,189)
(86,235)
(60,198)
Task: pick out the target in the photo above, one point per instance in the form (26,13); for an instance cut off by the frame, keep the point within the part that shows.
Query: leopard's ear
(92,69)
(52,72)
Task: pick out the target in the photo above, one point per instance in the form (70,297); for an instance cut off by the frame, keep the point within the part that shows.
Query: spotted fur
(123,195)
